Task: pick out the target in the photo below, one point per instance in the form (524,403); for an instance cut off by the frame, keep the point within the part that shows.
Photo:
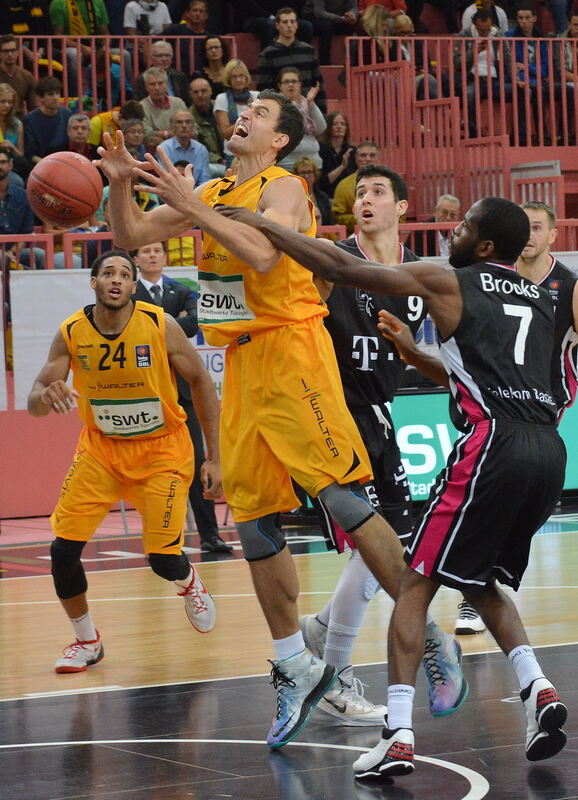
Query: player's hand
(164,180)
(241,214)
(115,160)
(211,480)
(392,328)
(60,397)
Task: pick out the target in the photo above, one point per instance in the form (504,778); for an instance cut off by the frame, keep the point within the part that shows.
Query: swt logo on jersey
(143,355)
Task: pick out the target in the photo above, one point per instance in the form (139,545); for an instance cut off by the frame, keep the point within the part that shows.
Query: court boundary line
(95,690)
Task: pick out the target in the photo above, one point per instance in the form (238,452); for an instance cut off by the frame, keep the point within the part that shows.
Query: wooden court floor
(170,713)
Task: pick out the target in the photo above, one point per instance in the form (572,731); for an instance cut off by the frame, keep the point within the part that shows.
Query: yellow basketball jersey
(125,383)
(235,299)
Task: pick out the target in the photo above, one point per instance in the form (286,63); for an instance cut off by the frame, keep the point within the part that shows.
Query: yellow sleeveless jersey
(234,298)
(126,385)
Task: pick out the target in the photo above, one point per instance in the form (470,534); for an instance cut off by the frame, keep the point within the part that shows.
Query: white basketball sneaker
(78,656)
(346,702)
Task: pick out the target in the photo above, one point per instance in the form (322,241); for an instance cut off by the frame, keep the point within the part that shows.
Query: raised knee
(261,538)
(169,566)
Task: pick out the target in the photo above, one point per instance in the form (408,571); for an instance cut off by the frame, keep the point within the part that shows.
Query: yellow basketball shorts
(152,474)
(284,416)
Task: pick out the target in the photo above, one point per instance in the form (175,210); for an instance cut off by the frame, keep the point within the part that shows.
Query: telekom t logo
(365,349)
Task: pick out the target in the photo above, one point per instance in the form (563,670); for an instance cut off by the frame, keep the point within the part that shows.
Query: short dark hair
(505,224)
(526,5)
(97,263)
(6,151)
(398,185)
(46,85)
(204,2)
(538,205)
(8,38)
(182,162)
(483,15)
(132,109)
(288,71)
(290,121)
(283,11)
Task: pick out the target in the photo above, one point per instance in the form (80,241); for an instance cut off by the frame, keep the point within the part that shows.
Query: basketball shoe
(392,755)
(199,605)
(447,687)
(314,634)
(345,701)
(300,681)
(78,656)
(546,714)
(468,621)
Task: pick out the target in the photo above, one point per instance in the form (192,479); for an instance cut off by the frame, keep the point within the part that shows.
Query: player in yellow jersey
(284,414)
(134,444)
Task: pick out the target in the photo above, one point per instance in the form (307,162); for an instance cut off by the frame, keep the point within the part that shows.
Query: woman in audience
(289,83)
(307,169)
(336,151)
(12,130)
(133,132)
(375,22)
(233,101)
(214,57)
(406,48)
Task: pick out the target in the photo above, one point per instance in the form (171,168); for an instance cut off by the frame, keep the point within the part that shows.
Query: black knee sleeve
(170,567)
(67,570)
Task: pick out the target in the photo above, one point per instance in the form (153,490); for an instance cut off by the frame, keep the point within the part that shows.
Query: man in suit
(179,301)
(437,243)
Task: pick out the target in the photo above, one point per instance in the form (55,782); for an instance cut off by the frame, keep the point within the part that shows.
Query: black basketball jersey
(370,366)
(559,283)
(498,358)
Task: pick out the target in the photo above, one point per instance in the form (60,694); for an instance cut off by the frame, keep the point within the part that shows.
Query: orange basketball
(64,188)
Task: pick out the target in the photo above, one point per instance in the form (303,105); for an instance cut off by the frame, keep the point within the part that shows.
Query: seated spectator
(344,197)
(19,79)
(183,147)
(134,133)
(259,18)
(16,217)
(375,23)
(526,53)
(290,87)
(108,74)
(45,128)
(437,243)
(110,121)
(234,100)
(405,50)
(78,133)
(158,107)
(330,17)
(310,172)
(208,131)
(161,55)
(214,57)
(67,21)
(481,63)
(193,22)
(12,130)
(498,15)
(336,151)
(146,18)
(393,7)
(288,51)
(569,67)
(560,10)
(60,259)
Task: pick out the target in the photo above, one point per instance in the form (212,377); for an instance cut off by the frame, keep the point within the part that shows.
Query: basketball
(64,188)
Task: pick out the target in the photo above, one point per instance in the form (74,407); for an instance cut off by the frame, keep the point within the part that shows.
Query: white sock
(84,629)
(525,665)
(399,706)
(324,614)
(289,646)
(182,583)
(354,590)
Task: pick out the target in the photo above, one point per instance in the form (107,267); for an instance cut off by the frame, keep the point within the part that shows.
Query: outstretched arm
(50,392)
(186,361)
(400,334)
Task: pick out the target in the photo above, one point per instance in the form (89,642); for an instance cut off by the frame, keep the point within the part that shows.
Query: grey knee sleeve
(261,538)
(169,566)
(67,570)
(347,505)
